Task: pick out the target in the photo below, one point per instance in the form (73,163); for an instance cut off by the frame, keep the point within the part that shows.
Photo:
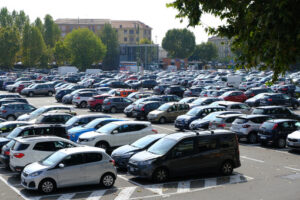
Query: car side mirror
(61,165)
(169,110)
(115,132)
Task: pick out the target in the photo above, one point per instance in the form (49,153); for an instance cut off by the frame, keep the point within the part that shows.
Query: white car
(293,140)
(116,134)
(233,106)
(31,149)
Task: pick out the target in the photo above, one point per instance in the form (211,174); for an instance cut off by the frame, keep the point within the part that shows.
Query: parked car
(122,154)
(279,99)
(236,96)
(193,92)
(5,153)
(93,125)
(38,89)
(114,104)
(160,89)
(116,134)
(70,167)
(276,112)
(233,106)
(141,110)
(168,112)
(81,99)
(275,131)
(293,141)
(175,90)
(247,126)
(183,121)
(181,154)
(129,109)
(255,91)
(12,111)
(81,120)
(287,89)
(53,118)
(95,102)
(138,95)
(67,99)
(188,100)
(202,101)
(29,149)
(223,121)
(2,96)
(9,126)
(60,94)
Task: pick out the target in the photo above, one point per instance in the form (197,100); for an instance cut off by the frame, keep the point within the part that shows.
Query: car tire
(30,94)
(252,138)
(160,175)
(83,104)
(113,110)
(50,93)
(227,168)
(98,108)
(47,186)
(108,180)
(281,143)
(102,145)
(11,118)
(162,120)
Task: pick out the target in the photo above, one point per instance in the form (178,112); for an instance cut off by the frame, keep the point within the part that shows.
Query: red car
(236,96)
(95,103)
(22,86)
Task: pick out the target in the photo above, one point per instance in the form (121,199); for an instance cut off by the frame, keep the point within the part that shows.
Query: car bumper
(104,107)
(181,125)
(89,143)
(266,138)
(121,162)
(18,169)
(30,183)
(144,171)
(293,145)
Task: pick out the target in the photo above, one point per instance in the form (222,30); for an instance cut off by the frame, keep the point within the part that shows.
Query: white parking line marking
(183,186)
(255,160)
(96,195)
(66,196)
(295,169)
(14,189)
(125,193)
(164,128)
(210,182)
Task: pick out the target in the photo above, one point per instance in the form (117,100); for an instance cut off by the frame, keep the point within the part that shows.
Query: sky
(153,13)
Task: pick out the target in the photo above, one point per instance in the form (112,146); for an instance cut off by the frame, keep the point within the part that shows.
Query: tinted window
(59,131)
(75,159)
(206,144)
(93,157)
(226,141)
(62,145)
(20,146)
(137,127)
(184,148)
(44,146)
(268,125)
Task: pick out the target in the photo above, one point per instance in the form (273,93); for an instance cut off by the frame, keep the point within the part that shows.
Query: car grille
(292,140)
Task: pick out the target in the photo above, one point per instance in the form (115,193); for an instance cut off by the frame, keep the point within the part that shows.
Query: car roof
(228,115)
(55,113)
(15,122)
(34,138)
(181,135)
(252,116)
(92,115)
(269,107)
(81,149)
(130,122)
(229,103)
(41,126)
(281,120)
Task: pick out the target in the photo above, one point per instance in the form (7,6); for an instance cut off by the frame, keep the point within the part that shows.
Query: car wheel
(99,108)
(252,138)
(295,106)
(113,110)
(47,186)
(30,94)
(102,145)
(160,175)
(162,120)
(50,93)
(108,180)
(83,104)
(227,168)
(11,118)
(281,143)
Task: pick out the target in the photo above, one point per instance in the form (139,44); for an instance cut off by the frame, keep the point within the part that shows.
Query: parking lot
(266,173)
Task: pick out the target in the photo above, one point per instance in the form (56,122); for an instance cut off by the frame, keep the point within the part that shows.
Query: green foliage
(9,45)
(85,48)
(179,43)
(51,31)
(39,24)
(145,41)
(61,53)
(109,37)
(13,19)
(205,52)
(265,32)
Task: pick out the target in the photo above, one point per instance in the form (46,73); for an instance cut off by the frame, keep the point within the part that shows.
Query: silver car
(70,167)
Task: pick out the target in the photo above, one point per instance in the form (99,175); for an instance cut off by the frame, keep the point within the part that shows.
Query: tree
(9,45)
(61,53)
(85,48)
(39,24)
(51,31)
(179,43)
(145,41)
(205,52)
(266,32)
(109,37)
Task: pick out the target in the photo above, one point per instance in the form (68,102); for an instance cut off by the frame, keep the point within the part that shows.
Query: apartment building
(223,46)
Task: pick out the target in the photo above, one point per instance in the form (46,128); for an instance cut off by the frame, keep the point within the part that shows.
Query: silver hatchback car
(70,167)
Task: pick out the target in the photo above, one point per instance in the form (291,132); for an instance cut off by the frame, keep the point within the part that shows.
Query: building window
(63,28)
(145,32)
(131,31)
(98,27)
(121,26)
(125,31)
(137,31)
(137,39)
(125,39)
(131,39)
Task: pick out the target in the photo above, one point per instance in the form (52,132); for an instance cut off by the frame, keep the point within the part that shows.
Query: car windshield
(107,128)
(193,111)
(198,101)
(92,124)
(162,146)
(14,133)
(186,100)
(37,112)
(72,121)
(164,107)
(53,159)
(143,142)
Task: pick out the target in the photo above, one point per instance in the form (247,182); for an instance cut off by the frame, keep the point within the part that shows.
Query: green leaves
(9,45)
(205,52)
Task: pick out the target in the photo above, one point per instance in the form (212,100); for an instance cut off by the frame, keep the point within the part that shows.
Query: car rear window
(258,111)
(241,120)
(268,125)
(219,119)
(20,146)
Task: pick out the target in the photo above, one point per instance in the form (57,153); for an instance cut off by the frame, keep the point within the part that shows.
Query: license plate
(291,143)
(263,137)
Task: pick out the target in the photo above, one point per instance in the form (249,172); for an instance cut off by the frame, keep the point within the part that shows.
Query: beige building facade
(223,46)
(129,32)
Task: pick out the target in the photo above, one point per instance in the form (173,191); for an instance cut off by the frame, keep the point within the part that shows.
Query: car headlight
(35,173)
(147,162)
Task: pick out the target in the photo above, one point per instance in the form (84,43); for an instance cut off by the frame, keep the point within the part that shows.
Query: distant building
(162,53)
(129,32)
(223,46)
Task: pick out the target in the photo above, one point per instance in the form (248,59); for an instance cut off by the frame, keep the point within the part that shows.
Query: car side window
(123,128)
(75,159)
(206,144)
(137,127)
(44,146)
(226,141)
(27,132)
(92,157)
(42,131)
(183,148)
(62,145)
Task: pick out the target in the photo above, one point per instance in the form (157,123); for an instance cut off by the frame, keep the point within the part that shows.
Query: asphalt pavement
(266,174)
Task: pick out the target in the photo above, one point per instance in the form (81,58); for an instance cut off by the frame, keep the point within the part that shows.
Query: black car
(160,89)
(255,91)
(53,118)
(275,131)
(150,84)
(279,99)
(181,154)
(141,110)
(287,89)
(276,112)
(12,100)
(61,93)
(129,109)
(175,90)
(118,84)
(122,154)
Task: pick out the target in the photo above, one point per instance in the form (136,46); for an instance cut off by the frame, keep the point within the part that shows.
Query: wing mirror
(115,132)
(61,165)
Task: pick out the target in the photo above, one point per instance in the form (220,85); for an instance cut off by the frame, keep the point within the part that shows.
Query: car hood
(184,117)
(294,135)
(143,156)
(34,167)
(200,121)
(4,140)
(90,134)
(123,150)
(24,117)
(78,129)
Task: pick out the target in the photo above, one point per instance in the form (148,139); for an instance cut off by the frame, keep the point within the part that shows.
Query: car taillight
(275,126)
(210,123)
(246,126)
(77,97)
(284,88)
(222,125)
(7,153)
(269,99)
(108,103)
(19,155)
(68,137)
(4,111)
(154,131)
(143,109)
(252,95)
(113,162)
